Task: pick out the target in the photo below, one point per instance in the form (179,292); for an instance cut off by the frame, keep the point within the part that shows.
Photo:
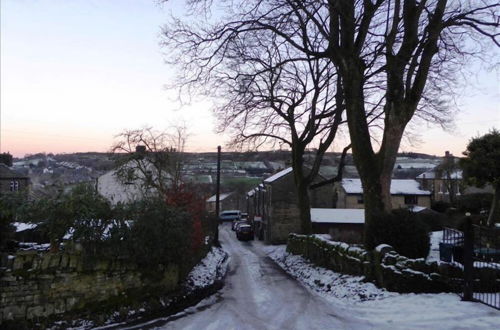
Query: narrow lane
(257,295)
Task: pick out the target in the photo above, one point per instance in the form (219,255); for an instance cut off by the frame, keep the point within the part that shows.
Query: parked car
(236,223)
(230,215)
(244,232)
(244,216)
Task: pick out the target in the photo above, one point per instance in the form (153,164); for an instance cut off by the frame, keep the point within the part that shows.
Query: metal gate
(477,251)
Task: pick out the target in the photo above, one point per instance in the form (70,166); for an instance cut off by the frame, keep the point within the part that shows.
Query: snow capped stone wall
(383,266)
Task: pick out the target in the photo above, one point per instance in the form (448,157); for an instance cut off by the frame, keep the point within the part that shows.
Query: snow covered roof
(398,187)
(278,175)
(251,192)
(432,174)
(338,215)
(221,197)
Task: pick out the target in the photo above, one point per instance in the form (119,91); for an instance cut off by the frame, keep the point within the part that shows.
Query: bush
(6,228)
(474,203)
(403,230)
(161,234)
(433,220)
(9,204)
(80,210)
(347,236)
(151,233)
(440,206)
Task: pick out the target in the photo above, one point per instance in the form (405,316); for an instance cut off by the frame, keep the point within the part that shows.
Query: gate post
(468,259)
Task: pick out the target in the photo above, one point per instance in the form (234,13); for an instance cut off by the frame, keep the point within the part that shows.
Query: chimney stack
(140,151)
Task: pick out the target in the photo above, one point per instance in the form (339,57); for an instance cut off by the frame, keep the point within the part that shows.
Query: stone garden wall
(383,266)
(37,285)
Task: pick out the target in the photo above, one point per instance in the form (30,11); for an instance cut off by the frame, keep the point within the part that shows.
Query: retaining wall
(35,285)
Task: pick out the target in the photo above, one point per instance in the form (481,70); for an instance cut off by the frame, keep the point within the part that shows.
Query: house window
(411,200)
(14,185)
(360,199)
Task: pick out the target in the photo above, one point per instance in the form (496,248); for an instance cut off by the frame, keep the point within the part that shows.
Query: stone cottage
(11,181)
(442,186)
(404,194)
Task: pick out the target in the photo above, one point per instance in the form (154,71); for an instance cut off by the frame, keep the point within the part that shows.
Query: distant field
(247,181)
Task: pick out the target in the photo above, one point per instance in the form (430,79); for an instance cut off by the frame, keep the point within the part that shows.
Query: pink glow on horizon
(70,86)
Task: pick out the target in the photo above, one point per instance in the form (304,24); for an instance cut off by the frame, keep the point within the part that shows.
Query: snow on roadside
(381,309)
(327,283)
(208,270)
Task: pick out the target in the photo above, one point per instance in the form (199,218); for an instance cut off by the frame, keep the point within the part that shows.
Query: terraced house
(272,206)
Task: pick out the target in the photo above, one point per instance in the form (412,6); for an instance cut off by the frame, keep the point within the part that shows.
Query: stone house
(272,206)
(11,181)
(404,194)
(111,186)
(442,186)
(255,209)
(228,201)
(445,181)
(132,181)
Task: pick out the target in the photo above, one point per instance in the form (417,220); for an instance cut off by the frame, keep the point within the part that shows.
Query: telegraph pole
(217,200)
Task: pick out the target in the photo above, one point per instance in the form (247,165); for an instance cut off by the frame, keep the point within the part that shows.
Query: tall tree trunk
(304,205)
(366,161)
(302,183)
(494,215)
(393,133)
(375,170)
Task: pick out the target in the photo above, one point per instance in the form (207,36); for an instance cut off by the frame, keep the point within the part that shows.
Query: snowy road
(257,295)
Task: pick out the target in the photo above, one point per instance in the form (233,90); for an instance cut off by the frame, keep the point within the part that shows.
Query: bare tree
(153,159)
(396,59)
(273,95)
(450,172)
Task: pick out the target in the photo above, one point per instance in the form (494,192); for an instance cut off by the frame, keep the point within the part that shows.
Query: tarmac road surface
(257,295)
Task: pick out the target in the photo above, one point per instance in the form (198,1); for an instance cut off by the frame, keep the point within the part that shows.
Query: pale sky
(74,73)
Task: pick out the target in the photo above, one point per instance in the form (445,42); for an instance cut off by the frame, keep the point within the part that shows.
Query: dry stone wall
(35,285)
(383,266)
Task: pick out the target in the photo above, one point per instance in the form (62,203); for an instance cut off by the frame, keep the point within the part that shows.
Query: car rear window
(245,228)
(230,213)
